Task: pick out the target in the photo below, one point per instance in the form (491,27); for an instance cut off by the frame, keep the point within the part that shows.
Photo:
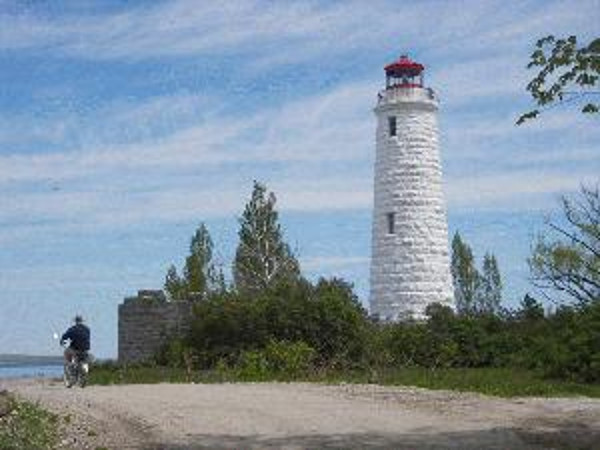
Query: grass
(500,382)
(28,426)
(107,374)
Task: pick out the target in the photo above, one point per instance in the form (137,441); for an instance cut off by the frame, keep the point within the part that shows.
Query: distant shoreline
(7,360)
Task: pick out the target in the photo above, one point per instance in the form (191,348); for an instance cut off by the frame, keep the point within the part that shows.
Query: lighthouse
(410,264)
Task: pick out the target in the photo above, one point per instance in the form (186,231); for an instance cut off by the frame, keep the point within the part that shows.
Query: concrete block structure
(146,321)
(410,265)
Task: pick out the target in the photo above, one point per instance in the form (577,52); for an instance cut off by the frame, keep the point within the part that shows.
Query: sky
(125,124)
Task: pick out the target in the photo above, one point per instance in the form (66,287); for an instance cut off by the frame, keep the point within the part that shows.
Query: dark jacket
(79,335)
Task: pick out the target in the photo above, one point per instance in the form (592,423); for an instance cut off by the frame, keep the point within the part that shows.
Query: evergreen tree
(199,274)
(465,277)
(262,259)
(174,284)
(220,285)
(490,292)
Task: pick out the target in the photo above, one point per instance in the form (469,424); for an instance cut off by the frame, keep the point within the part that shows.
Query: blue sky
(123,125)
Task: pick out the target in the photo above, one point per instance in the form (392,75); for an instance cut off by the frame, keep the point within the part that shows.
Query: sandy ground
(298,416)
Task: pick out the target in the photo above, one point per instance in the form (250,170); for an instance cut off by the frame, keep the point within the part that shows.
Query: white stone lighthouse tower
(410,265)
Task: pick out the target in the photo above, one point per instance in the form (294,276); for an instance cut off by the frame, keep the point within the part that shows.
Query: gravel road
(301,415)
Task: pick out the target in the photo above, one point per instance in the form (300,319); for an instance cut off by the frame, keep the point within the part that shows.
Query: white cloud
(494,27)
(467,81)
(323,144)
(113,122)
(93,210)
(186,27)
(528,189)
(327,263)
(193,172)
(328,127)
(476,137)
(184,201)
(280,33)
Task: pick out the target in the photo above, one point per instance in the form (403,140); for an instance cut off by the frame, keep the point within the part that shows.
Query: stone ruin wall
(145,323)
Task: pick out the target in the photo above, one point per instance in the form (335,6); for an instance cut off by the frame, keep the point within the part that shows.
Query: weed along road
(302,415)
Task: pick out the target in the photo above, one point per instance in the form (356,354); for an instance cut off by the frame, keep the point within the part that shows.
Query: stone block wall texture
(410,268)
(146,321)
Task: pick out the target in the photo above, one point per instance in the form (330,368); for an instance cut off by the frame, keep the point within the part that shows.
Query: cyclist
(79,339)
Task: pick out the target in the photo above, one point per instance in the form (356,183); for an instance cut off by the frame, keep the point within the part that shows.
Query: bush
(572,351)
(252,366)
(26,427)
(290,359)
(279,359)
(327,317)
(271,333)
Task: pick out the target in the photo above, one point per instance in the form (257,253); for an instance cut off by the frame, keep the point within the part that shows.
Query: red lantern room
(404,73)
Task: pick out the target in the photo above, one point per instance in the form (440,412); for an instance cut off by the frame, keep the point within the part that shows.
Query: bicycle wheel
(82,376)
(68,375)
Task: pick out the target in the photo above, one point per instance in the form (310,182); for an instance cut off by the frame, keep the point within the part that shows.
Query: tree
(567,258)
(174,284)
(530,310)
(199,274)
(262,258)
(464,275)
(490,287)
(567,72)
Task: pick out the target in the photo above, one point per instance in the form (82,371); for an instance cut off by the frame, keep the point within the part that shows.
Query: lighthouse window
(390,223)
(392,125)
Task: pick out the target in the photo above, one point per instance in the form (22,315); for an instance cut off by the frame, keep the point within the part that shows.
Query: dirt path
(297,415)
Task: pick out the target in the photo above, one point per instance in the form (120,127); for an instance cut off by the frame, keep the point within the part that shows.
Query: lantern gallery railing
(405,93)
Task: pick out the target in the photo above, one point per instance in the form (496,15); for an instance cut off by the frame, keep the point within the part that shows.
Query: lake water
(31,370)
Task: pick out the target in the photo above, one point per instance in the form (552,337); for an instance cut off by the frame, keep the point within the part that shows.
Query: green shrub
(290,359)
(28,427)
(252,366)
(572,351)
(279,360)
(268,334)
(327,317)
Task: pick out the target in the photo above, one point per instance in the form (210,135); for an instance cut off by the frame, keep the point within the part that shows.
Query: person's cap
(78,319)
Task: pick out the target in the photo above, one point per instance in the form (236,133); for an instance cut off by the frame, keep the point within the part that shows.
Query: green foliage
(564,345)
(262,258)
(474,292)
(531,310)
(572,351)
(278,360)
(567,257)
(175,285)
(567,71)
(233,332)
(327,317)
(252,366)
(200,277)
(148,373)
(28,427)
(504,381)
(490,285)
(199,272)
(175,353)
(290,359)
(464,275)
(335,322)
(278,325)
